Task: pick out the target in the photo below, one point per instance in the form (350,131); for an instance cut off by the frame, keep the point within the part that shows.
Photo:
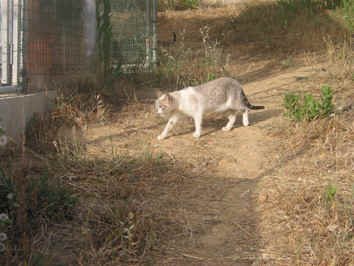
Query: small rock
(300,78)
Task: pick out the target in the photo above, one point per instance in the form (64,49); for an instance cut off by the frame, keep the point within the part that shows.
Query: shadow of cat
(212,125)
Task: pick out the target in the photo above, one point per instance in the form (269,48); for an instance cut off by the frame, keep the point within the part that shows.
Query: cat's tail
(247,103)
(254,107)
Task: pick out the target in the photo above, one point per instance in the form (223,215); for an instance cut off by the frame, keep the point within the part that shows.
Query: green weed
(178,4)
(211,76)
(326,98)
(348,8)
(331,192)
(306,107)
(288,62)
(299,5)
(3,137)
(190,3)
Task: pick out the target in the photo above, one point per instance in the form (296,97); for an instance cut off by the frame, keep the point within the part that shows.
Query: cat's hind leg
(171,122)
(230,124)
(198,125)
(245,121)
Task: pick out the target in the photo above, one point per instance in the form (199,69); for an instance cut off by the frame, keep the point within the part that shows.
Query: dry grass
(121,217)
(76,105)
(305,222)
(137,202)
(298,223)
(182,66)
(288,30)
(120,221)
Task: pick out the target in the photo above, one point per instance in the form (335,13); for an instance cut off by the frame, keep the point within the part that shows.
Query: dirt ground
(219,205)
(222,202)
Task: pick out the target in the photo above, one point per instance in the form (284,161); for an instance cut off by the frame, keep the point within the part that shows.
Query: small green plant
(308,108)
(348,7)
(295,6)
(6,198)
(50,201)
(326,98)
(311,108)
(292,105)
(5,223)
(331,192)
(190,3)
(3,137)
(178,4)
(211,76)
(299,5)
(288,62)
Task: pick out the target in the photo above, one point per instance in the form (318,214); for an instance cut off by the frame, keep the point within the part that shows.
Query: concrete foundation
(17,110)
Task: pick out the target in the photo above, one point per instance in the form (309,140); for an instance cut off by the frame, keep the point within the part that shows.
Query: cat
(219,95)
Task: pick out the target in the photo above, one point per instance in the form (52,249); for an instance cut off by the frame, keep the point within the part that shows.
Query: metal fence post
(4,41)
(15,41)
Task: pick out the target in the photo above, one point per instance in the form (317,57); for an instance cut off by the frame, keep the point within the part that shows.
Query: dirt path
(221,211)
(218,204)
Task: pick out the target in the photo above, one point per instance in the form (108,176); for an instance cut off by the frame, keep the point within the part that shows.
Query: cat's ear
(158,93)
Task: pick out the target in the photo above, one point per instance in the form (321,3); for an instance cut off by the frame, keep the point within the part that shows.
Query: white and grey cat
(219,95)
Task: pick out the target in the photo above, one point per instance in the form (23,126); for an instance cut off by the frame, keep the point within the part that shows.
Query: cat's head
(165,104)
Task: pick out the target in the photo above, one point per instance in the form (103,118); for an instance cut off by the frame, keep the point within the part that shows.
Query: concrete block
(17,110)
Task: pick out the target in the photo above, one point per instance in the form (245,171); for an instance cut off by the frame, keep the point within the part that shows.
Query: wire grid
(11,41)
(54,42)
(133,34)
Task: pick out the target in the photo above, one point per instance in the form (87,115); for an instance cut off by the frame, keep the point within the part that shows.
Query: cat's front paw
(245,122)
(160,137)
(226,128)
(196,135)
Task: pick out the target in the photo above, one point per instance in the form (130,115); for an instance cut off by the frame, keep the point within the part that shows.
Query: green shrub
(45,200)
(330,194)
(53,202)
(299,5)
(326,97)
(311,108)
(190,3)
(178,4)
(348,8)
(7,189)
(308,108)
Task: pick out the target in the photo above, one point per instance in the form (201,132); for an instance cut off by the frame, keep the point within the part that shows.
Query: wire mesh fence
(47,42)
(134,34)
(11,40)
(54,49)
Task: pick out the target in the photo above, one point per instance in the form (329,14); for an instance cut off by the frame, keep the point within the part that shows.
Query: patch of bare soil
(221,207)
(218,207)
